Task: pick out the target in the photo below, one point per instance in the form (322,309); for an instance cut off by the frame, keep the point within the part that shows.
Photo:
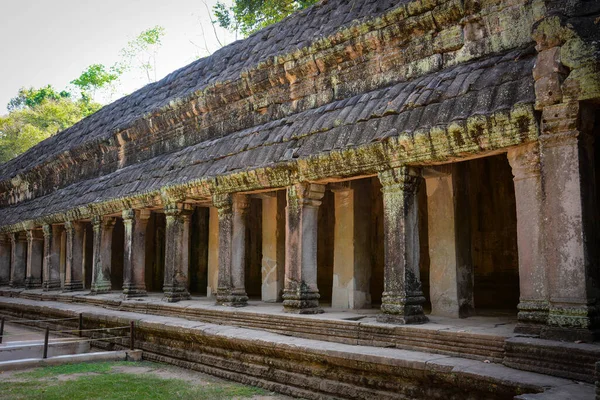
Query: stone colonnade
(553,232)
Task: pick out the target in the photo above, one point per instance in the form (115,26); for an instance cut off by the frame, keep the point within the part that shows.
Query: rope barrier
(90,330)
(59,341)
(19,320)
(67,331)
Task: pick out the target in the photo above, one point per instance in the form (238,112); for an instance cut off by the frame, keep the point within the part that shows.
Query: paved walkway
(490,322)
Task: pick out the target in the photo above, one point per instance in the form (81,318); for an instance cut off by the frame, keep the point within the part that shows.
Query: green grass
(103,383)
(67,369)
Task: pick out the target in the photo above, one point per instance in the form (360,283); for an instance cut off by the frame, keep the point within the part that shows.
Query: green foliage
(24,127)
(97,381)
(141,52)
(32,97)
(96,77)
(248,16)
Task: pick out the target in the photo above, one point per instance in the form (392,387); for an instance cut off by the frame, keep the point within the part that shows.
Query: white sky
(52,41)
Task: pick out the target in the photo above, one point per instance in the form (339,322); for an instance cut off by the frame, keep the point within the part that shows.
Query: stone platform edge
(304,367)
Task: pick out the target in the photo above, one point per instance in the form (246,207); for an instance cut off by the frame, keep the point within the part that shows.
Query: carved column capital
(33,234)
(132,214)
(178,209)
(403,178)
(241,203)
(344,186)
(47,229)
(308,194)
(525,161)
(73,226)
(223,202)
(18,237)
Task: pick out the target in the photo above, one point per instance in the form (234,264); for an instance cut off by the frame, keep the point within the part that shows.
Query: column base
(301,302)
(532,317)
(100,287)
(73,286)
(51,285)
(33,283)
(572,323)
(133,291)
(16,284)
(402,310)
(175,294)
(231,298)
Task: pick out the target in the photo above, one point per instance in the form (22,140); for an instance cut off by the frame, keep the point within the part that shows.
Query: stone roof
(485,87)
(295,32)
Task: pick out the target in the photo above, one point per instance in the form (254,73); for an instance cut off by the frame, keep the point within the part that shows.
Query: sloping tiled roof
(297,31)
(483,87)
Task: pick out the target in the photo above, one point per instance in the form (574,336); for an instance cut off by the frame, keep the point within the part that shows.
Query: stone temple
(403,162)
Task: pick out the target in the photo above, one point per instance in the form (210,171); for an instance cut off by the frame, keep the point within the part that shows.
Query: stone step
(313,369)
(567,360)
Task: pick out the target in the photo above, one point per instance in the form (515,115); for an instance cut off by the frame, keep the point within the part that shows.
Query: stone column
(134,263)
(5,255)
(273,247)
(177,252)
(232,245)
(18,259)
(213,252)
(101,264)
(351,258)
(35,259)
(52,241)
(533,303)
(570,231)
(448,225)
(74,262)
(402,299)
(301,294)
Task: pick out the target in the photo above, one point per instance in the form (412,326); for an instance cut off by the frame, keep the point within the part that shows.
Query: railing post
(131,335)
(1,329)
(46,342)
(80,323)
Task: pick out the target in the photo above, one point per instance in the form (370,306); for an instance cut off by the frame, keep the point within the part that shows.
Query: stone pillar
(533,303)
(301,294)
(273,247)
(232,244)
(18,259)
(101,264)
(351,258)
(75,260)
(35,259)
(177,252)
(5,255)
(52,245)
(213,252)
(448,225)
(134,263)
(570,231)
(402,299)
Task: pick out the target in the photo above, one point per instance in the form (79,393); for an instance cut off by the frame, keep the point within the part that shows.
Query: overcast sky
(52,41)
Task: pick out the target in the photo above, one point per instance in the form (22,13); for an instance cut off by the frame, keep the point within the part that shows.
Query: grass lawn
(121,380)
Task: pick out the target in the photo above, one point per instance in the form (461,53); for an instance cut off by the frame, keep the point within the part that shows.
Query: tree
(248,16)
(31,97)
(96,77)
(142,50)
(39,114)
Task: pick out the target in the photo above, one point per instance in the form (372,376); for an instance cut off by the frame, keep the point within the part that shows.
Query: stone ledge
(309,368)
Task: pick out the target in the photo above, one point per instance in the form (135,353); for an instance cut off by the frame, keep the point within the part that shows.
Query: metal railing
(79,332)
